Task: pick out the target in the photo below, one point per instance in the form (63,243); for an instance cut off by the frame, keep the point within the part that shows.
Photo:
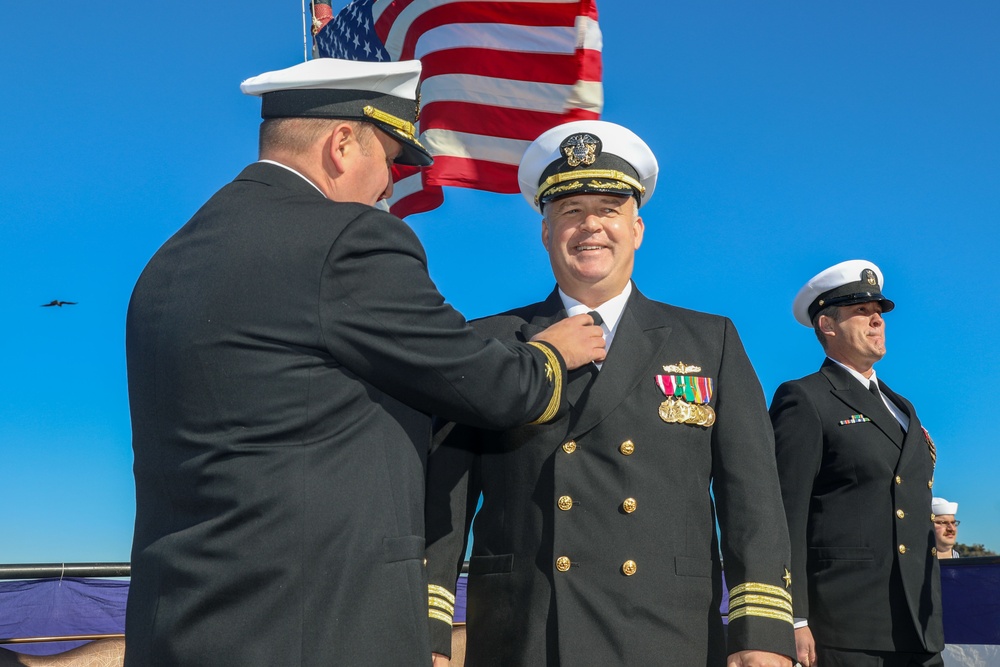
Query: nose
(591,222)
(877,319)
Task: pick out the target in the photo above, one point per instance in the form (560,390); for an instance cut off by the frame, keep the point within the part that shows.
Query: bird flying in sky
(56,302)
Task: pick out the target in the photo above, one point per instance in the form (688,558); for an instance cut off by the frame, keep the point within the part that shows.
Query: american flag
(495,76)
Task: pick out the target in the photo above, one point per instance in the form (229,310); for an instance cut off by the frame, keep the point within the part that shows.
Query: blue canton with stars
(350,35)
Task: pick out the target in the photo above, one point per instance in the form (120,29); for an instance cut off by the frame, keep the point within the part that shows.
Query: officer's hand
(805,646)
(438,660)
(758,659)
(578,340)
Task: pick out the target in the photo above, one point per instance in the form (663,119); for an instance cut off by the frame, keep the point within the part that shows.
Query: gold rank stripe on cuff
(441,592)
(767,600)
(440,616)
(553,372)
(755,587)
(441,604)
(763,612)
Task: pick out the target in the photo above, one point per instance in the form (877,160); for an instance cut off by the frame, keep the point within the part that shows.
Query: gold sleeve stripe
(763,612)
(441,592)
(440,616)
(767,600)
(554,371)
(754,587)
(442,604)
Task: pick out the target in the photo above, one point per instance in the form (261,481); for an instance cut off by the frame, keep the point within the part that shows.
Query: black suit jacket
(283,353)
(858,501)
(522,610)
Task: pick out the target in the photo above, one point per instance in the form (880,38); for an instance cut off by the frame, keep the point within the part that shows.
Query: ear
(826,325)
(340,145)
(638,227)
(545,233)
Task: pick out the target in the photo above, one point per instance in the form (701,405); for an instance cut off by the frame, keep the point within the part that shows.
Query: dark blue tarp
(970,596)
(70,606)
(60,607)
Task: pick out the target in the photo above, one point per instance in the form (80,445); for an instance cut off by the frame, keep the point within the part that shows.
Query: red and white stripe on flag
(495,76)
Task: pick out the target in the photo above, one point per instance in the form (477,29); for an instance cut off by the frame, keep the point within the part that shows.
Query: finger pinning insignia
(687,398)
(854,419)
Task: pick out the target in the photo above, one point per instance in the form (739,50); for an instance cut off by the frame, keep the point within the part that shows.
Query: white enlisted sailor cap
(384,94)
(942,506)
(587,157)
(844,284)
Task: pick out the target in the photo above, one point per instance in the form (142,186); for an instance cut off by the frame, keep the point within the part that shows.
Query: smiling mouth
(582,248)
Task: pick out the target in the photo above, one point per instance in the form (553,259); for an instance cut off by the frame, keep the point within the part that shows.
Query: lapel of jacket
(847,388)
(639,339)
(913,440)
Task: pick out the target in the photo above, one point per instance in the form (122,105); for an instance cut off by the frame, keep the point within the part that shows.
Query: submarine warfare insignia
(682,368)
(687,398)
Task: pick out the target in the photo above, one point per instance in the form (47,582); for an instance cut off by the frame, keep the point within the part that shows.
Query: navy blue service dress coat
(284,352)
(857,495)
(596,541)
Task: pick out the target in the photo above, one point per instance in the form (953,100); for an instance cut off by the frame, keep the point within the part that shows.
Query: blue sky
(791,135)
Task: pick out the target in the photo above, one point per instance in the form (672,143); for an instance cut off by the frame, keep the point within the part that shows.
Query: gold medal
(679,411)
(667,412)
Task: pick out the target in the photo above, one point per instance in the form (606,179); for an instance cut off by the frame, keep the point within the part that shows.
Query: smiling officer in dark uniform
(856,474)
(596,542)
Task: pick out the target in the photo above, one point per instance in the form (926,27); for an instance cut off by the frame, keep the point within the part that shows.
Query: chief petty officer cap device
(844,284)
(383,94)
(587,157)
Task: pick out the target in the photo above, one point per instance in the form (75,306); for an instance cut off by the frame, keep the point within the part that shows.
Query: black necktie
(873,388)
(598,320)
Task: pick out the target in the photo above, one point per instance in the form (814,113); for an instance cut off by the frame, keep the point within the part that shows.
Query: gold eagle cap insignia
(682,368)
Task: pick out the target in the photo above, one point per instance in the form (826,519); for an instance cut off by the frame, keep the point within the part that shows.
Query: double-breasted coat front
(596,541)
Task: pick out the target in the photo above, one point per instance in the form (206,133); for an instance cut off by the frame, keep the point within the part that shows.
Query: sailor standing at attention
(856,474)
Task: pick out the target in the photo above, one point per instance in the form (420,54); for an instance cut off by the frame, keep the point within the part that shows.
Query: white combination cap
(587,157)
(844,284)
(384,94)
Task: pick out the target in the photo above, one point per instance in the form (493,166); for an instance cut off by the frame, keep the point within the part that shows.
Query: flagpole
(305,39)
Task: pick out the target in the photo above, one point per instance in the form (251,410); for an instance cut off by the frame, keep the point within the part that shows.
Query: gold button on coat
(899,480)
(562,563)
(565,503)
(933,516)
(628,568)
(628,505)
(900,514)
(902,548)
(569,447)
(627,448)
(934,551)
(930,483)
